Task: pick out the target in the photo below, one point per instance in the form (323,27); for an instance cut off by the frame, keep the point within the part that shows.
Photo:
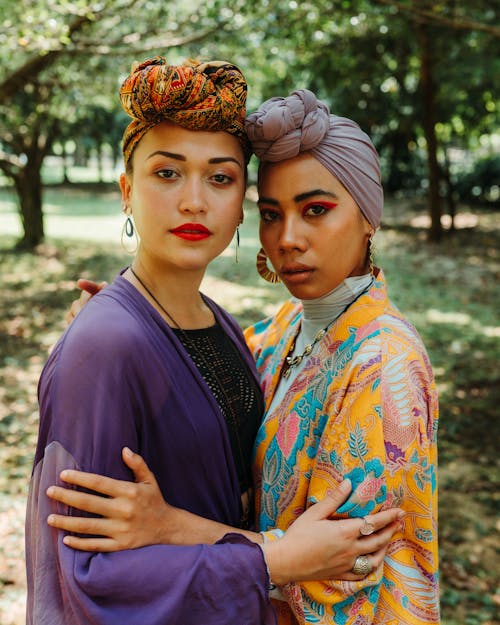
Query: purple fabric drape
(117,377)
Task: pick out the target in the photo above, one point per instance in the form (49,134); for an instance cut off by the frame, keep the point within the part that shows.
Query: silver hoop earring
(129,233)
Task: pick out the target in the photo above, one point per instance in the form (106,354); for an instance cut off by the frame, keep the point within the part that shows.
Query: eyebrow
(181,157)
(299,198)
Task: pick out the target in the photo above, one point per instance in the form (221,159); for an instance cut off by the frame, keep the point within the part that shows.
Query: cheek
(266,240)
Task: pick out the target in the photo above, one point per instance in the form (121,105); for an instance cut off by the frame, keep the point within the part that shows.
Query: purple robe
(119,376)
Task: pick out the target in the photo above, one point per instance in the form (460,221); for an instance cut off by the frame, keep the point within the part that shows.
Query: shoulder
(393,334)
(110,329)
(376,336)
(111,319)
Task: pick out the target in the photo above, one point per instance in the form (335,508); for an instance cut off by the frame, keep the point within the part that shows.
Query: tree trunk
(429,120)
(64,156)
(450,190)
(100,167)
(29,190)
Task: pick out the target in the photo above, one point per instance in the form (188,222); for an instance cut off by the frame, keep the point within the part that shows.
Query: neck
(319,312)
(176,297)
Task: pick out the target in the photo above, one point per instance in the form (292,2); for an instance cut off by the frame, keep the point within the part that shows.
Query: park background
(420,77)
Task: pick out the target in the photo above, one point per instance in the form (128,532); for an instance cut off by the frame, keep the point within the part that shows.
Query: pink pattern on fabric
(366,330)
(368,489)
(288,435)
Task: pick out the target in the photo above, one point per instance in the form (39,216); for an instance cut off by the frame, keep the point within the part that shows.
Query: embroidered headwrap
(284,127)
(196,96)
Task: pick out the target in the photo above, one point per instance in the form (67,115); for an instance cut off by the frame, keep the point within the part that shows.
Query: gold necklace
(245,518)
(294,361)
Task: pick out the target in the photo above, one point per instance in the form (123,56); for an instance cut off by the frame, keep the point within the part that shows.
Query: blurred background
(421,77)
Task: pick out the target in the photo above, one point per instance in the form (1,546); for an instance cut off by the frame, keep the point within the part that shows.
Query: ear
(367,227)
(126,190)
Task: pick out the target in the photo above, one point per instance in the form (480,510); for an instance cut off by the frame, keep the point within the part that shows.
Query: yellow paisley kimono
(363,407)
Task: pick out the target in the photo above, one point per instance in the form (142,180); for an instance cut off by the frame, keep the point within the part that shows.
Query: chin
(307,292)
(301,292)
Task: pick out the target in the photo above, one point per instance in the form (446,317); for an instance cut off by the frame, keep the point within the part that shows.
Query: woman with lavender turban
(348,387)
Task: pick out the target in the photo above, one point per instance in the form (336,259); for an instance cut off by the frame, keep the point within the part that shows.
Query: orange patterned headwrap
(196,96)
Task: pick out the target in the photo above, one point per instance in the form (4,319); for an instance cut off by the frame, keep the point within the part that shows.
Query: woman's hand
(135,515)
(131,515)
(89,289)
(317,547)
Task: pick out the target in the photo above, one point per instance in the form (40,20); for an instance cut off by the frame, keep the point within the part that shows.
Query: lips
(191,232)
(295,268)
(296,272)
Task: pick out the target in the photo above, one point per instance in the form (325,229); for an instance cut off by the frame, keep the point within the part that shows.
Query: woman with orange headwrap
(154,365)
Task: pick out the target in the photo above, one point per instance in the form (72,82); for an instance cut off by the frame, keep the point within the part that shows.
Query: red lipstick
(191,232)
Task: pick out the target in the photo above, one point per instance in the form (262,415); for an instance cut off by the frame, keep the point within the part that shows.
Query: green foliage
(482,183)
(61,62)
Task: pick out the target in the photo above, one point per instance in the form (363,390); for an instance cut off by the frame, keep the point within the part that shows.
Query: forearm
(190,529)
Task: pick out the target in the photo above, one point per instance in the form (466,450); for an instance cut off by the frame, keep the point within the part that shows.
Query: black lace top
(234,388)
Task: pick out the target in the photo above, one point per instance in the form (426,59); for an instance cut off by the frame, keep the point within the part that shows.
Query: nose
(193,199)
(292,235)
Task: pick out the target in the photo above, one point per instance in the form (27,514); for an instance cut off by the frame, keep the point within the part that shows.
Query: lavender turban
(284,127)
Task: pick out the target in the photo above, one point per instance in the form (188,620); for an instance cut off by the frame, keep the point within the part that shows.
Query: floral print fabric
(363,407)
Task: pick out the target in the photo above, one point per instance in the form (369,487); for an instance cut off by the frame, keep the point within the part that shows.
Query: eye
(166,173)
(268,215)
(222,179)
(317,209)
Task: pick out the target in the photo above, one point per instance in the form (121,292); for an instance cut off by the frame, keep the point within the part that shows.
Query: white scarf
(318,314)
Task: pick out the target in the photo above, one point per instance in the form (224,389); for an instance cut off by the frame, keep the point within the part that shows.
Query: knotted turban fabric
(196,96)
(284,127)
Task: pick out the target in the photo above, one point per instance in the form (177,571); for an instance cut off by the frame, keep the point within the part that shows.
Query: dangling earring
(237,257)
(263,269)
(129,232)
(370,254)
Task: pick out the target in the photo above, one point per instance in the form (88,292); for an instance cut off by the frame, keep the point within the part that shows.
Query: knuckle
(131,491)
(128,511)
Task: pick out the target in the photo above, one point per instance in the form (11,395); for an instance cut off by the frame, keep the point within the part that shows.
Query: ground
(450,291)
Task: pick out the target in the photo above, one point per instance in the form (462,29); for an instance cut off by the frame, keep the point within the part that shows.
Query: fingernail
(50,490)
(346,483)
(50,519)
(401,515)
(64,474)
(128,452)
(66,540)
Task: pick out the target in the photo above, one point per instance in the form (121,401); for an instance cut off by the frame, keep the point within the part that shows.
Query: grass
(450,292)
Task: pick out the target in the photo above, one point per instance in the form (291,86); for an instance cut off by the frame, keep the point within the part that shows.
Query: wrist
(172,530)
(277,563)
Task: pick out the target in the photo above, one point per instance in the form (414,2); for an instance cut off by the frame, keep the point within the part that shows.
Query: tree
(54,55)
(414,95)
(407,91)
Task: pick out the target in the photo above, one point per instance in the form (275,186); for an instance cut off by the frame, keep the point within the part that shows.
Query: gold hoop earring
(263,269)
(371,263)
(128,232)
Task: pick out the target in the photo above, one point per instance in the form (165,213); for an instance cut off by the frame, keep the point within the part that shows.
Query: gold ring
(362,566)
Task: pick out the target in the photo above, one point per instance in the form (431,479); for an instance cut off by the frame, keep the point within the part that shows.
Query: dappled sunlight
(462,220)
(438,316)
(460,319)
